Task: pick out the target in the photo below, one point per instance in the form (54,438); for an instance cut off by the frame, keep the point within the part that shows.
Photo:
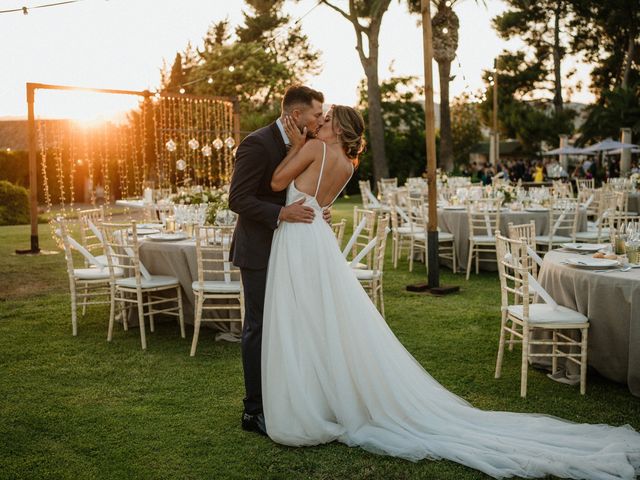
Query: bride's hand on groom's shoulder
(296,137)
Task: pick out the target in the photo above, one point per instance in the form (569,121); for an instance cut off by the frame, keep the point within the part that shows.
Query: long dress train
(333,370)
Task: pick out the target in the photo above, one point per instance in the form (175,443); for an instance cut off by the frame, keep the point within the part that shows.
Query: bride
(333,370)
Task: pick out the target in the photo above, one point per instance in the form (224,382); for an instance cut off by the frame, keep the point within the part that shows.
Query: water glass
(170,224)
(632,247)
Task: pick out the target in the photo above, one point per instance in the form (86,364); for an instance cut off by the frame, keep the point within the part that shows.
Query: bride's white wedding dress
(333,370)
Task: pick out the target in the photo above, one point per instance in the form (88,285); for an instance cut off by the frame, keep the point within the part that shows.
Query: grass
(84,408)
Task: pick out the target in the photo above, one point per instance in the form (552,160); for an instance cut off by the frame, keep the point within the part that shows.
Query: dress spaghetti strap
(324,156)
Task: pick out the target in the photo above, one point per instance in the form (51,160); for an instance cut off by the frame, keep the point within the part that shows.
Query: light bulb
(210,81)
(182,90)
(231,68)
(445,30)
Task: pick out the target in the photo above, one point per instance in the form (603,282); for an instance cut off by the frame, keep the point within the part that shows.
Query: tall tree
(541,25)
(531,121)
(466,128)
(366,18)
(607,34)
(256,64)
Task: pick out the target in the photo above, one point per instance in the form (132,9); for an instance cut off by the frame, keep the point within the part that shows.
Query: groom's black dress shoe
(254,423)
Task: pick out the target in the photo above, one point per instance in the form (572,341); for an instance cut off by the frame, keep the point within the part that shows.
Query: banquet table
(178,259)
(456,222)
(611,302)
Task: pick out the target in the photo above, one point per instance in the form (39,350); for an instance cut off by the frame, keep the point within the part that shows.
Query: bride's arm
(300,156)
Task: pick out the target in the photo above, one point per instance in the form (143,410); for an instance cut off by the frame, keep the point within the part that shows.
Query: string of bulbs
(25,10)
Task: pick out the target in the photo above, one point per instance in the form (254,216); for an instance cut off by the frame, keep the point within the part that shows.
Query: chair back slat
(213,245)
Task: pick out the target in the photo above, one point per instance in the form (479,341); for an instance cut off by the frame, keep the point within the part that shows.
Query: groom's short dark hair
(300,94)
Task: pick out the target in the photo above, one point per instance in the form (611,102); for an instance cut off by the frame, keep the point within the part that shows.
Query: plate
(587,262)
(167,237)
(455,207)
(146,231)
(584,247)
(536,209)
(152,226)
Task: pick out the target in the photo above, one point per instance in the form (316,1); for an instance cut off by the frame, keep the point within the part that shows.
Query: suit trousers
(254,283)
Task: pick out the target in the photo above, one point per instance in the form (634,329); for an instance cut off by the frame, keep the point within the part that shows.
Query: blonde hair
(350,121)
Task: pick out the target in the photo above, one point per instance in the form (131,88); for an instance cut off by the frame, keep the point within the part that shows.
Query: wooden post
(430,124)
(33,168)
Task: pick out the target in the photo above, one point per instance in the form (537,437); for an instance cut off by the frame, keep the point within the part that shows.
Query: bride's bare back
(335,174)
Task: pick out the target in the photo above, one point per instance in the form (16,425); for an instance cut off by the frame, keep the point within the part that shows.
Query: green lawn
(83,408)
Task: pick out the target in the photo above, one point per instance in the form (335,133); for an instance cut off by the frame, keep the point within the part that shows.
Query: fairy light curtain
(168,142)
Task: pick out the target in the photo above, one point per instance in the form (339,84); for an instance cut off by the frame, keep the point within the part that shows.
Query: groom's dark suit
(258,208)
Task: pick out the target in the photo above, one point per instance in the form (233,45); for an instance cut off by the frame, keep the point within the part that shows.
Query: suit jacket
(251,197)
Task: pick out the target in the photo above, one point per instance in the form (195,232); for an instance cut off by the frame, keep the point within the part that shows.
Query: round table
(456,222)
(178,259)
(611,302)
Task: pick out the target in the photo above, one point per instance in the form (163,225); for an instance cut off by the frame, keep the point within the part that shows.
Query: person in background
(538,175)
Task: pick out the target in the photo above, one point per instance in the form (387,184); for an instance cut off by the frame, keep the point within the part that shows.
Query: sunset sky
(122,43)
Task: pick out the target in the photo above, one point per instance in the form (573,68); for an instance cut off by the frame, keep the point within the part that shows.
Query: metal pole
(496,135)
(33,168)
(429,112)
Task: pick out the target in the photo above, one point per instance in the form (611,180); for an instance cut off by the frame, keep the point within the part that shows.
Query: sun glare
(86,108)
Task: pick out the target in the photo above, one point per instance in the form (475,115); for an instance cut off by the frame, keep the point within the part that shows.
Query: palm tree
(444,25)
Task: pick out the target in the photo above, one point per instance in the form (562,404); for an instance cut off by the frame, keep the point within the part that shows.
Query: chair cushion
(217,286)
(591,235)
(403,230)
(445,237)
(541,313)
(154,282)
(489,239)
(94,273)
(554,239)
(366,274)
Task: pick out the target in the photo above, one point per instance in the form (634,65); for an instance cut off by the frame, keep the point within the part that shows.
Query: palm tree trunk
(446,140)
(376,123)
(557,58)
(629,60)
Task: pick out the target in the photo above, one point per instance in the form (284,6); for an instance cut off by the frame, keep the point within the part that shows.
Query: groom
(260,210)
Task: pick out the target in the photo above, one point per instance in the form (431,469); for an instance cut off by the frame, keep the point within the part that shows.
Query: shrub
(14,204)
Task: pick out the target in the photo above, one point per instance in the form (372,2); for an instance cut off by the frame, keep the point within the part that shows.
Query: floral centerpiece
(216,198)
(442,177)
(635,180)
(506,191)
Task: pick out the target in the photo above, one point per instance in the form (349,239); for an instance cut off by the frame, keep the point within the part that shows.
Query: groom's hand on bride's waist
(326,215)
(297,213)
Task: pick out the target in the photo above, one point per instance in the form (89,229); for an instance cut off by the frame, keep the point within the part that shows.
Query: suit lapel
(278,138)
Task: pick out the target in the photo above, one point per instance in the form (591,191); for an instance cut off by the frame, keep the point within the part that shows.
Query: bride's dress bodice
(293,194)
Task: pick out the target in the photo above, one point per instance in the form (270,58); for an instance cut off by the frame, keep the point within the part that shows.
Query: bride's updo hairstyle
(350,121)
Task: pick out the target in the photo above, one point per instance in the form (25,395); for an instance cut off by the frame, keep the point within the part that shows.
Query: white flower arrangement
(216,198)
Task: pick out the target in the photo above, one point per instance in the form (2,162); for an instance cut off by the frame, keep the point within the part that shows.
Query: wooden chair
(387,184)
(218,279)
(338,230)
(400,231)
(446,241)
(520,317)
(417,227)
(369,201)
(585,184)
(371,279)
(138,289)
(90,285)
(90,233)
(563,217)
(483,217)
(597,231)
(525,233)
(365,235)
